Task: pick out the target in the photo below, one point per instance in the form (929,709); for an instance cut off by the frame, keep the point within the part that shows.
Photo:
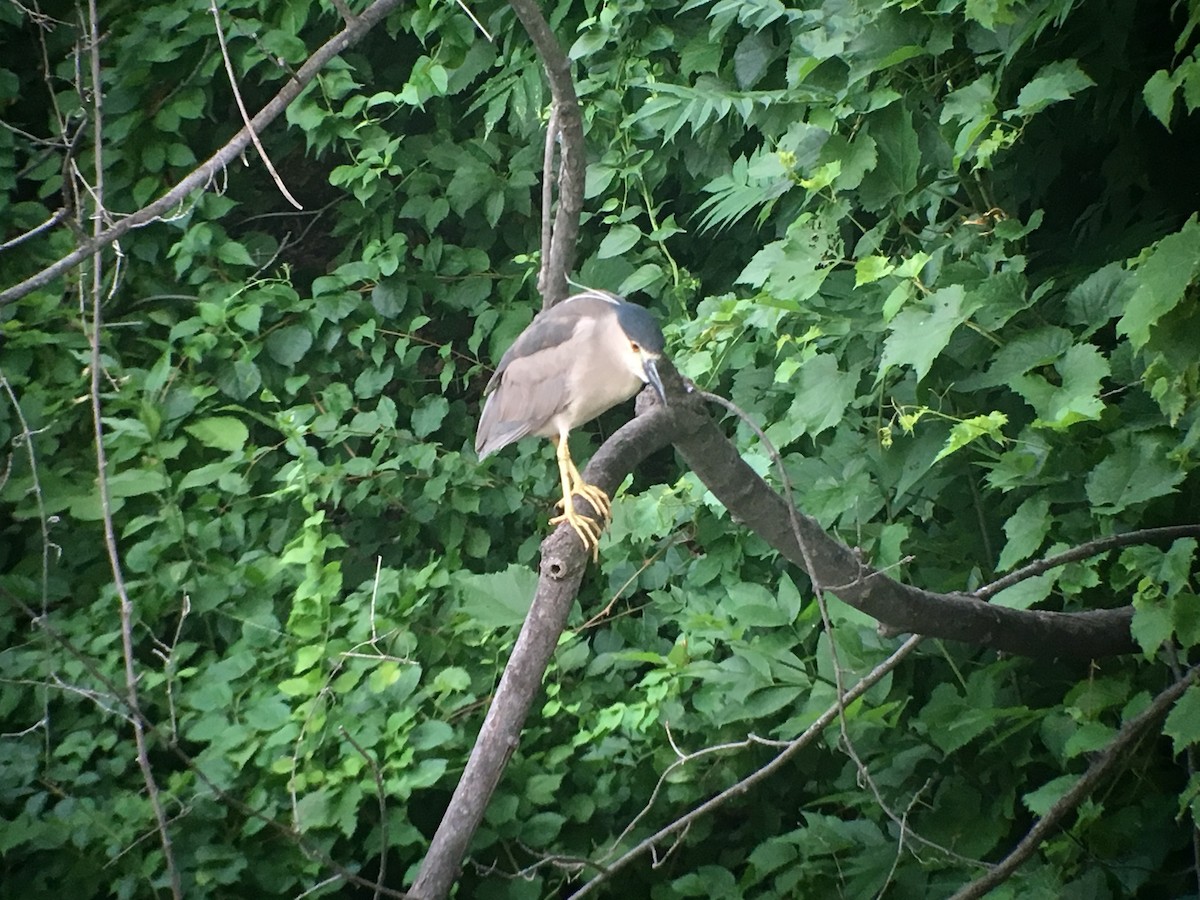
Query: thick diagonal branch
(1082,635)
(563,561)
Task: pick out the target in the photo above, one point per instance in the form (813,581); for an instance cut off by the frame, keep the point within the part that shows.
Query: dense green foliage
(945,251)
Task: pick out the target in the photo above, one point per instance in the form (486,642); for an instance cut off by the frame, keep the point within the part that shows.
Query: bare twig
(57,217)
(810,734)
(470,15)
(381,795)
(110,537)
(1085,551)
(44,521)
(548,176)
(207,170)
(135,713)
(237,96)
(1110,761)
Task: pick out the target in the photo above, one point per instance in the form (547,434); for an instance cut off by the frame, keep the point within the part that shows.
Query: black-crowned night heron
(574,361)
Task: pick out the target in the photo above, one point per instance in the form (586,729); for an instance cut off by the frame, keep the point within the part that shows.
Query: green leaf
(1137,470)
(919,335)
(497,599)
(430,734)
(1152,624)
(1025,594)
(968,430)
(871,268)
(428,417)
(221,432)
(239,380)
(618,240)
(1057,81)
(1081,369)
(895,172)
(542,828)
(1159,95)
(133,482)
(1026,530)
(1040,801)
(1161,280)
(288,345)
(751,59)
(1183,721)
(822,394)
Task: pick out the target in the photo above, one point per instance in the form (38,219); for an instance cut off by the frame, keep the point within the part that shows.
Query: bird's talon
(588,529)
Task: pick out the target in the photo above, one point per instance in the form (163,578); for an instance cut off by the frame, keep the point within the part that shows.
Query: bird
(574,361)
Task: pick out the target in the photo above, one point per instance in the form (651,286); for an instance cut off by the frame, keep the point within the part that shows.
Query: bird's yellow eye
(634,345)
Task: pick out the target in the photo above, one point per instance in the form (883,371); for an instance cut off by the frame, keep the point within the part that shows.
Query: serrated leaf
(1026,529)
(1040,801)
(497,599)
(1152,624)
(288,345)
(752,58)
(1055,82)
(897,158)
(1137,470)
(871,268)
(1183,721)
(973,429)
(221,432)
(920,334)
(1161,281)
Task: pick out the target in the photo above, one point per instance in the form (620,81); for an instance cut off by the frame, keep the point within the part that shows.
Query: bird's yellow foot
(586,527)
(593,495)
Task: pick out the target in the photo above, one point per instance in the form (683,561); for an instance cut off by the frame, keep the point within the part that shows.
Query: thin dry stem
(237,96)
(110,538)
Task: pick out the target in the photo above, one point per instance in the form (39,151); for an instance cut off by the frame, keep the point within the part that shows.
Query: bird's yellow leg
(588,492)
(586,527)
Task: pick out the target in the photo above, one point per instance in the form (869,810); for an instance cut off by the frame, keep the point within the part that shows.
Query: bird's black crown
(640,326)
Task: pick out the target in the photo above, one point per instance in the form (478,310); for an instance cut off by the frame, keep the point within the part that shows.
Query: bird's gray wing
(549,329)
(543,333)
(528,389)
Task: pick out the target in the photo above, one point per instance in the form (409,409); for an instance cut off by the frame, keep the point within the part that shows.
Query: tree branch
(1110,761)
(202,174)
(552,280)
(960,617)
(125,604)
(1086,551)
(564,560)
(793,747)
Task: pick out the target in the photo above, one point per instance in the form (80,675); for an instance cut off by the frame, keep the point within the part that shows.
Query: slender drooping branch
(1111,761)
(810,734)
(125,604)
(199,177)
(1087,551)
